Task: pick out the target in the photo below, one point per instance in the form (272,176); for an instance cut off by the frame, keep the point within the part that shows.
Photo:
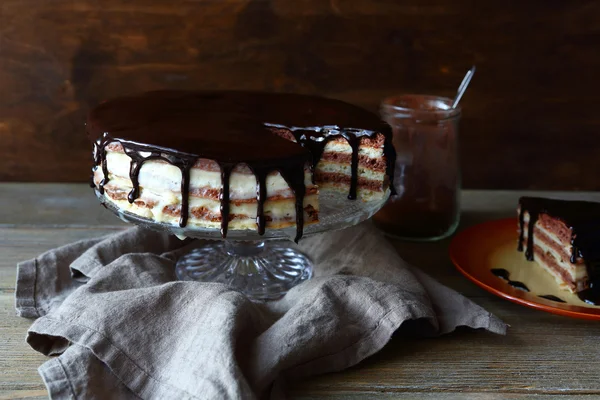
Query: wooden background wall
(531,116)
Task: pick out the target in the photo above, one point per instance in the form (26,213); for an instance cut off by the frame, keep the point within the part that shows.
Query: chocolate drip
(137,160)
(224,197)
(574,253)
(314,145)
(134,171)
(582,218)
(232,128)
(96,162)
(353,141)
(521,231)
(105,178)
(100,161)
(505,275)
(533,216)
(261,197)
(185,168)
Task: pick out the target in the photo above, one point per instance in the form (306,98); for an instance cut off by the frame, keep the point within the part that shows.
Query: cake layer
(376,164)
(368,148)
(553,253)
(328,171)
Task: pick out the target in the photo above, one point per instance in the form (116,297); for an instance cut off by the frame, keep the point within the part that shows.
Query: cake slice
(563,237)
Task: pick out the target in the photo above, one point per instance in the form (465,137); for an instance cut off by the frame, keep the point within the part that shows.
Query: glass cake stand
(262,267)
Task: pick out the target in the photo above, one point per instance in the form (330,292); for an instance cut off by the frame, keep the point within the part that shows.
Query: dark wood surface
(530,116)
(543,355)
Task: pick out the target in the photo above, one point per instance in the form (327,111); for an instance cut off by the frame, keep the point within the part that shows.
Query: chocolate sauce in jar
(426,178)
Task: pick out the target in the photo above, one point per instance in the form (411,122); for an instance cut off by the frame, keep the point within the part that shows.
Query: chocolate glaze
(583,219)
(505,275)
(223,196)
(552,297)
(231,128)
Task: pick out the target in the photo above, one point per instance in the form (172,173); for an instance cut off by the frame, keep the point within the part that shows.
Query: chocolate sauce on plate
(231,128)
(552,297)
(505,275)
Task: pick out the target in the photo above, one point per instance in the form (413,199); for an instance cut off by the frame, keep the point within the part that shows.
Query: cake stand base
(261,270)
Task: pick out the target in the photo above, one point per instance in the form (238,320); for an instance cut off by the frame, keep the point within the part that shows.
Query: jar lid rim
(438,107)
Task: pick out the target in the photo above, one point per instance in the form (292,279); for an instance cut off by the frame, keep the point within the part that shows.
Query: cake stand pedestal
(262,267)
(262,270)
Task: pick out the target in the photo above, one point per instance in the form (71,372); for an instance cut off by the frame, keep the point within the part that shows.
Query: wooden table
(544,355)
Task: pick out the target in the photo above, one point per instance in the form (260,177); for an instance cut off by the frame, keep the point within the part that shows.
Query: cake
(235,160)
(563,237)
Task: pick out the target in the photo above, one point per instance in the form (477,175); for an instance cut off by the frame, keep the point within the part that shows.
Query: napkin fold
(122,327)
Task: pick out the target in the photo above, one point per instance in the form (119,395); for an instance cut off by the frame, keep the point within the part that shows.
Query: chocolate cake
(235,159)
(563,237)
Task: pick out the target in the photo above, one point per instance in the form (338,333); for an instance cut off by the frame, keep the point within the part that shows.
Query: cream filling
(161,176)
(345,169)
(345,148)
(363,193)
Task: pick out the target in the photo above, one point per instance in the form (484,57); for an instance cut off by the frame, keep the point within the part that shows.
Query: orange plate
(474,253)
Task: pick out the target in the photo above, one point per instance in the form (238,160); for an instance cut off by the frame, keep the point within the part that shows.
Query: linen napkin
(121,326)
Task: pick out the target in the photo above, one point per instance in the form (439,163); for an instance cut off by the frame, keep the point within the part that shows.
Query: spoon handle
(463,86)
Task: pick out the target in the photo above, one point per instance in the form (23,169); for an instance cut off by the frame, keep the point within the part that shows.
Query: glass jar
(427,178)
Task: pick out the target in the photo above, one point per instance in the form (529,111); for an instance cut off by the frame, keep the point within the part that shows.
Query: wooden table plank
(544,355)
(374,394)
(39,204)
(19,244)
(35,394)
(18,361)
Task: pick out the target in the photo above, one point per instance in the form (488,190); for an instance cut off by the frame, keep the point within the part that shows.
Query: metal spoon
(463,86)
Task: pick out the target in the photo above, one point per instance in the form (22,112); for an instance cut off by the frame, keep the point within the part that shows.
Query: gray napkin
(122,327)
